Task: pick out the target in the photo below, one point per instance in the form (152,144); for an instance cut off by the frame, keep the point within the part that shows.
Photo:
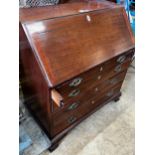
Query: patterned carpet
(36,3)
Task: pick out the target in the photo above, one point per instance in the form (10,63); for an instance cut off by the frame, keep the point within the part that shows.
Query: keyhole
(88,18)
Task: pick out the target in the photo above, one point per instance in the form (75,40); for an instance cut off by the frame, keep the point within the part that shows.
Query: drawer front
(77,110)
(97,89)
(85,90)
(74,88)
(93,90)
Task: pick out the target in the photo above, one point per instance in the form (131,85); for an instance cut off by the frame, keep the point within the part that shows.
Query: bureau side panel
(34,86)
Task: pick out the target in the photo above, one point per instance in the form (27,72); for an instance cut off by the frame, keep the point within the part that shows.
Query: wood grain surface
(76,54)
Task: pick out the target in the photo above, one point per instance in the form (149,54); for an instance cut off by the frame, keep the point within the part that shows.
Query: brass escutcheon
(75,82)
(74,93)
(121,59)
(71,119)
(73,106)
(118,68)
(109,94)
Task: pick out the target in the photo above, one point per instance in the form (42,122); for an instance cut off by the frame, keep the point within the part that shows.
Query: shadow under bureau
(73,60)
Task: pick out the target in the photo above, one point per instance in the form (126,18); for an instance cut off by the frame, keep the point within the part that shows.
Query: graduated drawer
(67,116)
(75,87)
(94,90)
(88,89)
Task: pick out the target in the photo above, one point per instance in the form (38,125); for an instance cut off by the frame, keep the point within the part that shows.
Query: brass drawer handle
(118,68)
(121,59)
(74,93)
(71,119)
(73,106)
(75,82)
(109,94)
(113,81)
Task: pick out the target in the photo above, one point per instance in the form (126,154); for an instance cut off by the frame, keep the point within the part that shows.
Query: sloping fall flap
(73,44)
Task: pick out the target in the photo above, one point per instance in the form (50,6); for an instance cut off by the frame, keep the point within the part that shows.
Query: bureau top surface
(77,40)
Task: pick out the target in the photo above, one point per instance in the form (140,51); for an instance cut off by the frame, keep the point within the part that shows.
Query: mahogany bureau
(74,58)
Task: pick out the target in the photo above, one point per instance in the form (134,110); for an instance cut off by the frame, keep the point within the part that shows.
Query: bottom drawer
(64,119)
